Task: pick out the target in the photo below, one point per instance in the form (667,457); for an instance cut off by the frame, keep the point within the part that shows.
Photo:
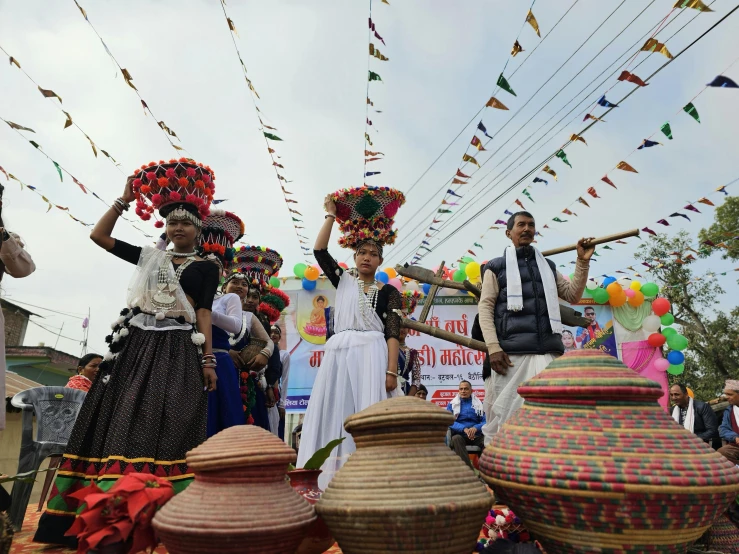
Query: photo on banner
(599,334)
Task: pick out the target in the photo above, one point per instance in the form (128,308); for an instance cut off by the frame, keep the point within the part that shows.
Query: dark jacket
(476,333)
(705,423)
(527,331)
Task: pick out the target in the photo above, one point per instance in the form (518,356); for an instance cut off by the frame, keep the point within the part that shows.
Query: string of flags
(374,61)
(270,140)
(128,79)
(69,122)
(61,171)
(476,144)
(43,197)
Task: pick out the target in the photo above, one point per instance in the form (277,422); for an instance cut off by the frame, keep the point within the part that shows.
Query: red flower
(151,175)
(199,184)
(175,196)
(206,177)
(145,189)
(190,172)
(157,199)
(145,217)
(392,208)
(159,224)
(343,211)
(136,183)
(183,182)
(190,199)
(170,173)
(163,182)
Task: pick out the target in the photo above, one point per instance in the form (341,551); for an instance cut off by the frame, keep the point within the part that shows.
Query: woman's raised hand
(329,205)
(128,195)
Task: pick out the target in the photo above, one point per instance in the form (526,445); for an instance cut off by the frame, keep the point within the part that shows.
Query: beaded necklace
(367,300)
(164,299)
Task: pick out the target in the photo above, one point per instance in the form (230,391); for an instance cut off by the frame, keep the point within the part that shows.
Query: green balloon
(600,295)
(467,259)
(274,282)
(677,342)
(463,267)
(676,369)
(587,292)
(667,332)
(667,319)
(459,275)
(299,270)
(649,290)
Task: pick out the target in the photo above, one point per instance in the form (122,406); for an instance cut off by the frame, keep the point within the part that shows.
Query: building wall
(16,323)
(10,447)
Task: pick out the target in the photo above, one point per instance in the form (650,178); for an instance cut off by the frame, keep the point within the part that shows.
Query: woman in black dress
(148,405)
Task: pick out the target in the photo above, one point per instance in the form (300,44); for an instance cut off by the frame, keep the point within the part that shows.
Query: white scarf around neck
(689,422)
(515,289)
(457,404)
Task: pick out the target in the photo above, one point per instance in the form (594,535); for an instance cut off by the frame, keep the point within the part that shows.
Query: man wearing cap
(696,416)
(729,429)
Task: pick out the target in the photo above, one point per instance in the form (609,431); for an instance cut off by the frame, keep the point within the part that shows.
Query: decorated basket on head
(408,301)
(183,185)
(367,214)
(221,229)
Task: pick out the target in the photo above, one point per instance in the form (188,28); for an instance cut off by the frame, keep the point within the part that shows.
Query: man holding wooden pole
(519,315)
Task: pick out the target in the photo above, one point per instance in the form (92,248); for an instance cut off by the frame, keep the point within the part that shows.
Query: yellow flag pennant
(653,45)
(48,93)
(470,159)
(376,53)
(695,4)
(516,49)
(547,169)
(531,20)
(127,77)
(251,87)
(177,147)
(573,138)
(626,167)
(166,129)
(19,127)
(495,103)
(14,61)
(67,123)
(232,26)
(49,203)
(94,150)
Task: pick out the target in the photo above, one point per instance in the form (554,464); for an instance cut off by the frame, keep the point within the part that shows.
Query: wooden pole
(442,334)
(424,275)
(601,240)
(432,293)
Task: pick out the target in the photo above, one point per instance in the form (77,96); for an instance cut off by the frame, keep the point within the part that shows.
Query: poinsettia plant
(121,515)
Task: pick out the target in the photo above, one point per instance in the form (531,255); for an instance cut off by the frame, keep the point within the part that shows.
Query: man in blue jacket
(469,417)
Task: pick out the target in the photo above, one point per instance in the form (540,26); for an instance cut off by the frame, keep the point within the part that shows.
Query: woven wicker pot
(239,501)
(591,463)
(253,347)
(318,538)
(404,490)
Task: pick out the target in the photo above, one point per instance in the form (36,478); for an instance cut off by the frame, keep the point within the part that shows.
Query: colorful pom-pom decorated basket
(367,213)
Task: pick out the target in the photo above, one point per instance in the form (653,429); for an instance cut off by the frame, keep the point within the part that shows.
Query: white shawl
(476,405)
(689,422)
(515,290)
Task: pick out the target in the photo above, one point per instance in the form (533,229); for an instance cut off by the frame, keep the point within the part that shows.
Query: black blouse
(388,297)
(199,280)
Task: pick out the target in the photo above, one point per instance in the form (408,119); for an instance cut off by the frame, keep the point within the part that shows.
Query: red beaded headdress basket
(221,229)
(273,302)
(367,213)
(256,264)
(409,301)
(178,184)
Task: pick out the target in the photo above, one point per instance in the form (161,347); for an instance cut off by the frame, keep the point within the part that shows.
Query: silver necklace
(367,300)
(164,299)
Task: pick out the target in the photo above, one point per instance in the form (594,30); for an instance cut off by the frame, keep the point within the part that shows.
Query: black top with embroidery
(388,297)
(199,280)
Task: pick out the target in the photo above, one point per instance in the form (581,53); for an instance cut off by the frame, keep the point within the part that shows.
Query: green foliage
(725,228)
(322,454)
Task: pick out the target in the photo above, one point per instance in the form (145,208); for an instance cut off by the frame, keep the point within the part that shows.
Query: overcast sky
(308,61)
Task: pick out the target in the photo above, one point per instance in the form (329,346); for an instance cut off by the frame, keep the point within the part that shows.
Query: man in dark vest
(519,315)
(696,416)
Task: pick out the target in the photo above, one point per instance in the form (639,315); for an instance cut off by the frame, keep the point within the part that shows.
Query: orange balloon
(614,290)
(311,273)
(618,301)
(391,272)
(637,299)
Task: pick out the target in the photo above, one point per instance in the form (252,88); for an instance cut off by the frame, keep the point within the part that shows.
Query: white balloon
(591,284)
(651,323)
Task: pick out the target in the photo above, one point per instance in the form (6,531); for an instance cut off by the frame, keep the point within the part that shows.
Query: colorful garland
(502,523)
(158,184)
(367,213)
(248,390)
(409,301)
(273,303)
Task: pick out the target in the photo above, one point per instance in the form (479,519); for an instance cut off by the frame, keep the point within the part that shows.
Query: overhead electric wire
(69,314)
(407,236)
(668,62)
(616,61)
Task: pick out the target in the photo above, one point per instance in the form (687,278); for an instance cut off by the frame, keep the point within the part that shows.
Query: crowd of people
(197,349)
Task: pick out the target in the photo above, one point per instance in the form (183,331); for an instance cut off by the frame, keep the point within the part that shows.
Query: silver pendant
(163,300)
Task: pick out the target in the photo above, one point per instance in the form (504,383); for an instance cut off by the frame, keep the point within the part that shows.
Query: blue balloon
(309,285)
(383,277)
(426,288)
(608,280)
(675,357)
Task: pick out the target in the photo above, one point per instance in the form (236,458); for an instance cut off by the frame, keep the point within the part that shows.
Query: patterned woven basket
(404,490)
(250,351)
(592,462)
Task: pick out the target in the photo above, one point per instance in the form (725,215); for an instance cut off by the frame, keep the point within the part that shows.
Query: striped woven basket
(591,463)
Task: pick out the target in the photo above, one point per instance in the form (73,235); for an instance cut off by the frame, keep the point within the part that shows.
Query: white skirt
(350,379)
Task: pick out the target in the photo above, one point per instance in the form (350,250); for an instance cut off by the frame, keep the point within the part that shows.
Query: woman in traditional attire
(147,407)
(87,370)
(409,367)
(276,336)
(360,361)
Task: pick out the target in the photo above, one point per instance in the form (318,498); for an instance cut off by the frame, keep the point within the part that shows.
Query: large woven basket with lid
(591,463)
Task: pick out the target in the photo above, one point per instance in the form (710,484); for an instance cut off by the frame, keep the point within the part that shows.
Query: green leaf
(322,454)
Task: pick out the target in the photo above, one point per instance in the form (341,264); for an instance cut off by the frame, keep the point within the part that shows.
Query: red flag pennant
(519,203)
(631,78)
(592,192)
(664,222)
(471,252)
(80,185)
(456,181)
(460,174)
(607,180)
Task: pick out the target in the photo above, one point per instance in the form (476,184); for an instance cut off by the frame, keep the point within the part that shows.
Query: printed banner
(599,334)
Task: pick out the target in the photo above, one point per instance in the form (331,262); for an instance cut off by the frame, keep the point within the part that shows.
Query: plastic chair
(56,410)
(474,452)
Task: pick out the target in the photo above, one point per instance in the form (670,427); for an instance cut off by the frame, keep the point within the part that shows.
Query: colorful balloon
(656,340)
(391,272)
(396,283)
(661,364)
(608,280)
(342,265)
(676,369)
(637,299)
(600,296)
(274,282)
(677,342)
(310,273)
(630,293)
(308,285)
(676,357)
(650,290)
(668,332)
(660,306)
(635,285)
(299,270)
(650,324)
(618,301)
(591,284)
(472,270)
(383,277)
(459,275)
(614,290)
(667,319)
(426,288)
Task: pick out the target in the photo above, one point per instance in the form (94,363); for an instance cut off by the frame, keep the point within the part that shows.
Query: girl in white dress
(360,361)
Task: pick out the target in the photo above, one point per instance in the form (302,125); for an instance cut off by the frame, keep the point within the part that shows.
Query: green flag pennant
(667,130)
(270,136)
(444,211)
(424,248)
(562,156)
(35,144)
(503,83)
(478,245)
(528,194)
(374,76)
(596,254)
(691,111)
(58,170)
(606,247)
(558,220)
(297,220)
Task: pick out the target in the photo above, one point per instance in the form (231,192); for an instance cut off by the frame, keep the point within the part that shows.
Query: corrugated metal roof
(14,384)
